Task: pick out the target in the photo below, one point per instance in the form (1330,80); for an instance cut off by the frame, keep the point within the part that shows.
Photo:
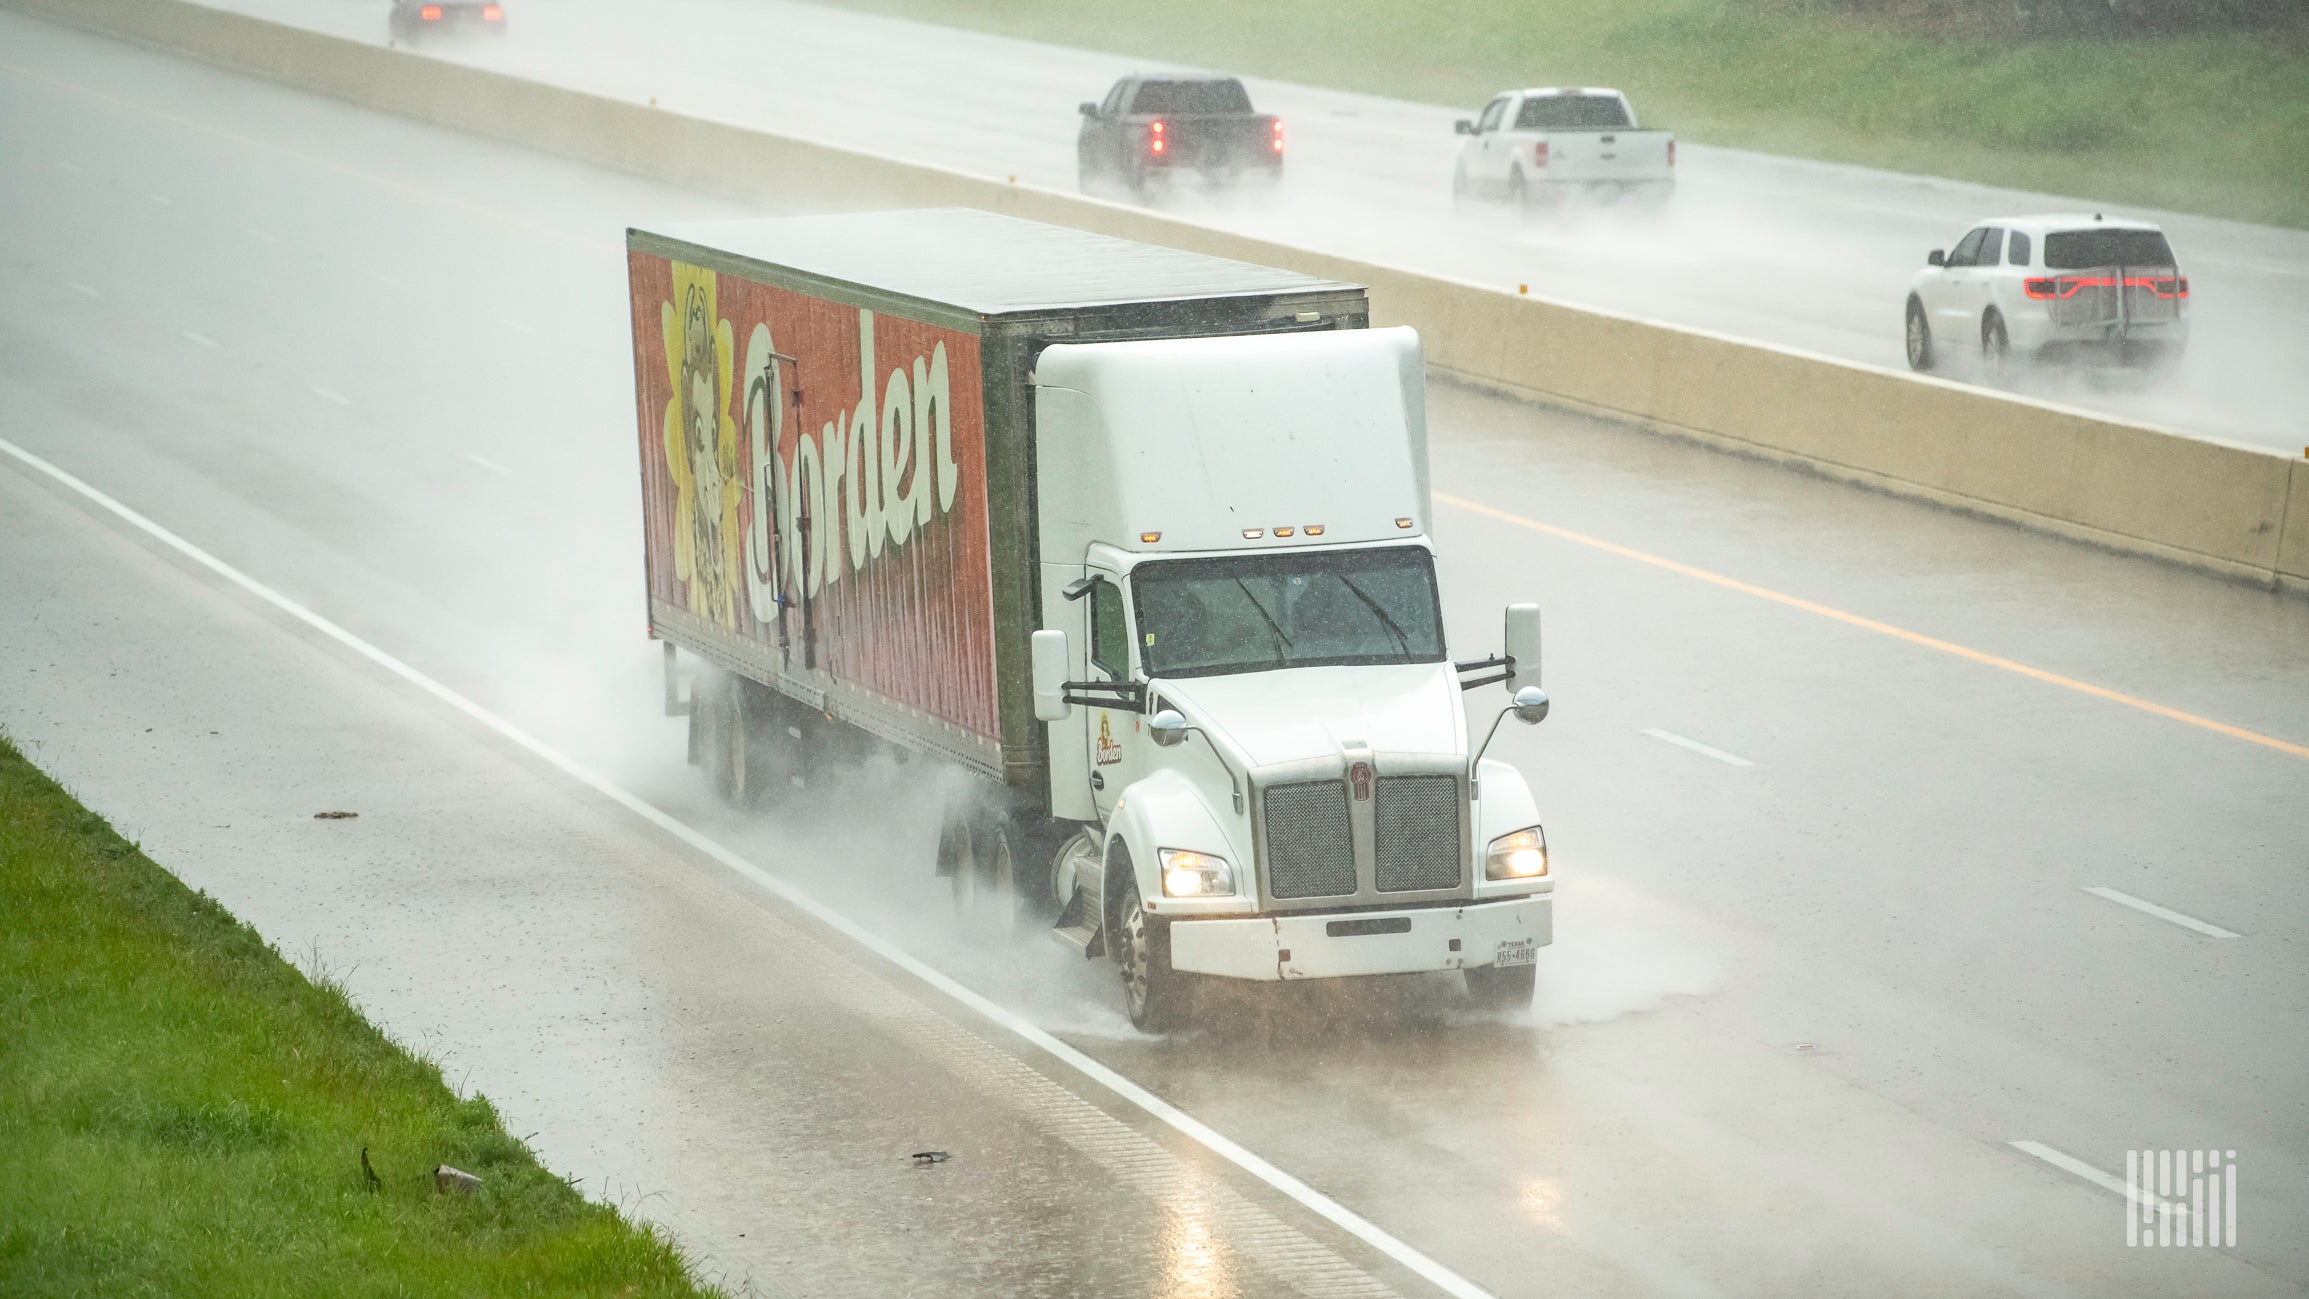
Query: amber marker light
(1283,532)
(1314,529)
(1402,523)
(1149,538)
(1253,534)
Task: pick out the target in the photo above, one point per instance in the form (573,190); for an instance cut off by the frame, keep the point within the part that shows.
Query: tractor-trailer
(1136,538)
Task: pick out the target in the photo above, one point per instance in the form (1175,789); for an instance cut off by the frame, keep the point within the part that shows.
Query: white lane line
(1706,751)
(85,289)
(488,464)
(2109,1182)
(2151,908)
(1185,1124)
(326,395)
(62,165)
(197,337)
(161,199)
(516,326)
(266,235)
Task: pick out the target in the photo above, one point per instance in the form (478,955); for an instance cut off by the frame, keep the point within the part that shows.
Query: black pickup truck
(1151,129)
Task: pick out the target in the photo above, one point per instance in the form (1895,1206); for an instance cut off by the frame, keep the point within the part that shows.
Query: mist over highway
(1832,775)
(1778,250)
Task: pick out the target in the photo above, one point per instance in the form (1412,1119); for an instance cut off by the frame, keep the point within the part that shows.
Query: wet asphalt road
(1781,250)
(1825,948)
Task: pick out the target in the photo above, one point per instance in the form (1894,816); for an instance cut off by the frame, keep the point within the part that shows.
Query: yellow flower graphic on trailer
(701,445)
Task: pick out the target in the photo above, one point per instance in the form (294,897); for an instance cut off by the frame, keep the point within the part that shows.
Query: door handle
(1098,780)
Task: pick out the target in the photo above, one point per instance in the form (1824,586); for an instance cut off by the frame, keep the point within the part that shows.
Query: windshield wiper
(1282,642)
(1402,640)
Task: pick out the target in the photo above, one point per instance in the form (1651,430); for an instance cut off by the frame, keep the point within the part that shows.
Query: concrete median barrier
(2232,510)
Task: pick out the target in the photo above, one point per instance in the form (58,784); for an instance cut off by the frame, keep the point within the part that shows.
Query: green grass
(2209,122)
(182,1113)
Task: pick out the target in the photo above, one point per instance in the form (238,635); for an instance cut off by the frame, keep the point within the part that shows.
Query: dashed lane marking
(1704,750)
(2152,909)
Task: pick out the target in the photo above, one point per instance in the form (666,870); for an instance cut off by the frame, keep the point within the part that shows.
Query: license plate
(1517,951)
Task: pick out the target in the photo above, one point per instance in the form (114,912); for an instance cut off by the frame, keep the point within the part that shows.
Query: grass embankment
(182,1113)
(2215,122)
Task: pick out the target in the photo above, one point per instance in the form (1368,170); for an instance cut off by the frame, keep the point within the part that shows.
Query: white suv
(2044,286)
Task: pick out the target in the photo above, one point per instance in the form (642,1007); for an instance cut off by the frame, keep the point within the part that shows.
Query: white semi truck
(1137,538)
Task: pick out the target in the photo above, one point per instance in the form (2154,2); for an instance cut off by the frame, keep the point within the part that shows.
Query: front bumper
(1329,945)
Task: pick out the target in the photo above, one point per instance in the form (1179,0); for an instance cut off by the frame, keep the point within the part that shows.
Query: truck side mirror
(1087,108)
(1464,126)
(1167,728)
(1522,642)
(1050,657)
(1936,258)
(1530,706)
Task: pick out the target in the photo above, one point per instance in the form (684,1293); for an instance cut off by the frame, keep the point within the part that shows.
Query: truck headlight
(1195,874)
(1518,856)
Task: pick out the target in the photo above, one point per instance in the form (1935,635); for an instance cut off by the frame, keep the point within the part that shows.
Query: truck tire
(1518,191)
(984,876)
(1493,988)
(720,737)
(1919,338)
(1154,993)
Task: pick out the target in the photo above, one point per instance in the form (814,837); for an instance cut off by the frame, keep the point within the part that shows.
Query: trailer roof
(985,264)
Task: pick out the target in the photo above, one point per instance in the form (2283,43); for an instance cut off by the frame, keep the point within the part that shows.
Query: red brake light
(430,13)
(1155,136)
(1539,154)
(1671,153)
(492,14)
(2037,288)
(1277,141)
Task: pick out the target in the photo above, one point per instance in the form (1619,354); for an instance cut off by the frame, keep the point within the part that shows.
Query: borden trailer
(1049,506)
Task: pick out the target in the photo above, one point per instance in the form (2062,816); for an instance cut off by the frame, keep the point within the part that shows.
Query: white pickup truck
(1533,146)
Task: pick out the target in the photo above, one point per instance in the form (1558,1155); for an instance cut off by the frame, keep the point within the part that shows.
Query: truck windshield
(1253,613)
(1183,97)
(2078,250)
(1571,113)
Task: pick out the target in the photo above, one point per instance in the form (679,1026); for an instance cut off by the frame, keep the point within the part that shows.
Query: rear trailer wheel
(1154,993)
(1919,338)
(984,876)
(1494,988)
(719,736)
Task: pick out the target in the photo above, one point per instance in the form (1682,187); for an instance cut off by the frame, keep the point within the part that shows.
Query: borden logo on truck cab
(844,532)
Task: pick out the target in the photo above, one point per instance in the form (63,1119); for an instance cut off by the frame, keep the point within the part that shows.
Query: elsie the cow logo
(872,480)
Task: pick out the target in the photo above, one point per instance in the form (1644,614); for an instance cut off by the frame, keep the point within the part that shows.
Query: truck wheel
(1919,338)
(1154,993)
(1493,988)
(1995,347)
(1518,191)
(985,877)
(719,722)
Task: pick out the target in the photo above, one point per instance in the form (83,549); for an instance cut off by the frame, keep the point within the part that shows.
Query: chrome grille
(1310,849)
(1415,828)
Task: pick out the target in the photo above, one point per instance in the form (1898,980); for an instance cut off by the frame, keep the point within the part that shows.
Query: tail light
(492,14)
(2037,288)
(1671,153)
(1155,143)
(1539,154)
(430,14)
(1276,141)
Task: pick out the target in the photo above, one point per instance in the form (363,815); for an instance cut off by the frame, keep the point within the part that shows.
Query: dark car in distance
(1152,130)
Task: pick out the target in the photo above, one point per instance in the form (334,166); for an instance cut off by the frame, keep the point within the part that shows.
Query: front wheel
(1495,988)
(1155,994)
(1919,338)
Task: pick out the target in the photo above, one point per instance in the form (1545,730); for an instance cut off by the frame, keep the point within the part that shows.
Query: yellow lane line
(1883,628)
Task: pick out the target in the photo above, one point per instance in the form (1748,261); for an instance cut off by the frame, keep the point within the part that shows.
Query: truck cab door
(1490,148)
(1116,736)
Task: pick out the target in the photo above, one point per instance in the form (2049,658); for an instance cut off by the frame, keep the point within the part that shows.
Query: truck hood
(1298,713)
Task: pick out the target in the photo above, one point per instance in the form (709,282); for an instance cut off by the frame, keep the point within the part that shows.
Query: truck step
(1078,928)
